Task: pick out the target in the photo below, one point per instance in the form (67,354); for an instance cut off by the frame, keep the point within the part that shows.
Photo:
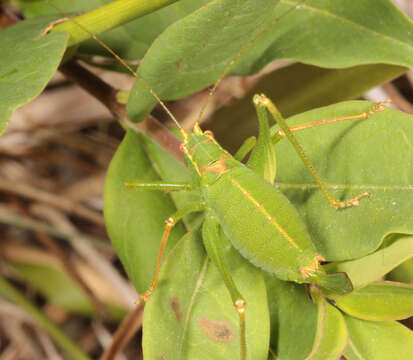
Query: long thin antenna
(241,52)
(146,85)
(124,63)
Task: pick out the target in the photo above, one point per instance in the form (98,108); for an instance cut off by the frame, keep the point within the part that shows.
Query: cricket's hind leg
(213,246)
(263,101)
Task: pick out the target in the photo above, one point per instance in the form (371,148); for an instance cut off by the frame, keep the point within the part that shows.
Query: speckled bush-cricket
(258,219)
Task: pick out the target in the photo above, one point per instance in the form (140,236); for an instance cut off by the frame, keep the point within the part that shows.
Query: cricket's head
(203,151)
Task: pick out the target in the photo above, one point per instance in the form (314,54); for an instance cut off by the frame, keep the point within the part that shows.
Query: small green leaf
(27,63)
(318,328)
(293,318)
(192,312)
(383,340)
(403,273)
(372,267)
(331,335)
(60,289)
(135,219)
(379,301)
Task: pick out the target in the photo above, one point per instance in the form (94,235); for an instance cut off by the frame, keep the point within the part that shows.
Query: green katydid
(241,200)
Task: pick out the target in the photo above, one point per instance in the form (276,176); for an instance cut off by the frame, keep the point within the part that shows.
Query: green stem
(68,346)
(108,17)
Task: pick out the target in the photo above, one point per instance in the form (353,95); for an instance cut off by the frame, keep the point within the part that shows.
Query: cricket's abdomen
(261,223)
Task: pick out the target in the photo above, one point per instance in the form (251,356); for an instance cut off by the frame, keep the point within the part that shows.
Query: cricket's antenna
(241,52)
(124,63)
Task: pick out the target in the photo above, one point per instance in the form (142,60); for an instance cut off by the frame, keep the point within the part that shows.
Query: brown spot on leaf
(178,64)
(219,331)
(176,308)
(161,358)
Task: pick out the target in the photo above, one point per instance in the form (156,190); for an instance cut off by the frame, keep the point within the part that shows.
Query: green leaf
(403,273)
(327,34)
(353,157)
(27,63)
(331,336)
(130,41)
(372,267)
(318,328)
(56,286)
(191,54)
(192,312)
(71,349)
(287,303)
(378,340)
(135,219)
(319,32)
(379,301)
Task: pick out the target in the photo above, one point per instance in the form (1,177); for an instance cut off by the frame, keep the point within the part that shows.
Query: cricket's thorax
(210,159)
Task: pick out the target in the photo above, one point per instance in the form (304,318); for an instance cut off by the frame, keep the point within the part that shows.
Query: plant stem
(35,225)
(107,95)
(108,17)
(69,347)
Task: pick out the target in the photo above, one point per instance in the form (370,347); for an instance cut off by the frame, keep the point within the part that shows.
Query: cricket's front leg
(169,224)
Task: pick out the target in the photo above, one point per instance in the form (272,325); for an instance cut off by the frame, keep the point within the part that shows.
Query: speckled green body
(258,219)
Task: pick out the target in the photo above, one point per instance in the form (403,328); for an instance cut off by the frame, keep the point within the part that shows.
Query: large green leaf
(379,301)
(374,266)
(191,316)
(320,32)
(193,52)
(335,34)
(27,63)
(135,219)
(383,340)
(353,157)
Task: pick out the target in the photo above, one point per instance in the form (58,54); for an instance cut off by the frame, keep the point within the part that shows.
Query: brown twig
(89,253)
(94,85)
(49,243)
(129,326)
(10,218)
(397,98)
(106,94)
(57,201)
(7,16)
